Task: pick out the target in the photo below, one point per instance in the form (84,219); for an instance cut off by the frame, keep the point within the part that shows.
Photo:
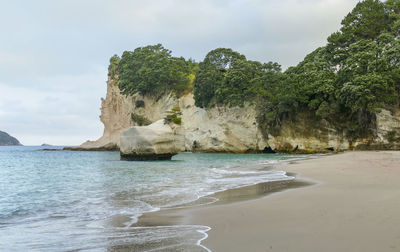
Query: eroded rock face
(225,129)
(117,110)
(157,141)
(388,126)
(307,135)
(220,129)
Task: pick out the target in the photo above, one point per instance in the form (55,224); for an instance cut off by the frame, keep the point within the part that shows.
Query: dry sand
(354,205)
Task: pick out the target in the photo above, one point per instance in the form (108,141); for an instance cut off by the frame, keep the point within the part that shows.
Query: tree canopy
(151,70)
(227,77)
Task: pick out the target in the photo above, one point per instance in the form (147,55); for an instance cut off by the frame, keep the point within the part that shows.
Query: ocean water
(90,201)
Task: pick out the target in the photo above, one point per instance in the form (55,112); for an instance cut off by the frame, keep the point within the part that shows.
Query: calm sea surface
(88,201)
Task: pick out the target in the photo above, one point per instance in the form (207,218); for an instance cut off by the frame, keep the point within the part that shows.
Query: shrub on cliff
(176,109)
(112,68)
(139,104)
(173,118)
(140,120)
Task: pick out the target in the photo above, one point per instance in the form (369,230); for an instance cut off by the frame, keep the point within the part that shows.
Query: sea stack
(157,141)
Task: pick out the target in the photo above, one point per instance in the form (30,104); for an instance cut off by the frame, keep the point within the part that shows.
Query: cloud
(56,115)
(54,54)
(282,31)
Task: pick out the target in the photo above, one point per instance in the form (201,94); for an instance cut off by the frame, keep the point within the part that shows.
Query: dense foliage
(351,78)
(227,77)
(152,70)
(345,82)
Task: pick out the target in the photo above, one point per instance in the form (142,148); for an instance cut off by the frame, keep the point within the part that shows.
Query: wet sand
(180,215)
(354,205)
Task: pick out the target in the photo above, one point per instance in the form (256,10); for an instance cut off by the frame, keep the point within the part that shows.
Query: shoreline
(354,206)
(177,216)
(350,202)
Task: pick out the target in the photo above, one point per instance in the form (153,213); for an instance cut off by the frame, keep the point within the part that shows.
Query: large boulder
(157,141)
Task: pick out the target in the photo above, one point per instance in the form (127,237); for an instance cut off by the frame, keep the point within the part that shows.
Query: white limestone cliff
(229,129)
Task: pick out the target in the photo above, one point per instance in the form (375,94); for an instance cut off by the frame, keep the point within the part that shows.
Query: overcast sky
(54,54)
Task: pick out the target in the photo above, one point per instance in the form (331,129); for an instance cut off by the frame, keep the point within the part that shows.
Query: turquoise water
(65,200)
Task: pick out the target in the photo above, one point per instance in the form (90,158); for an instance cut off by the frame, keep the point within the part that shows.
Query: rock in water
(7,140)
(157,141)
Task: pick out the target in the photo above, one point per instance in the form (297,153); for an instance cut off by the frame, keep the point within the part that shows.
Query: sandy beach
(353,205)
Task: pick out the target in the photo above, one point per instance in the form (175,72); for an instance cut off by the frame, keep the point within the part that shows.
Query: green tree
(112,68)
(393,8)
(152,70)
(211,75)
(366,21)
(226,77)
(239,83)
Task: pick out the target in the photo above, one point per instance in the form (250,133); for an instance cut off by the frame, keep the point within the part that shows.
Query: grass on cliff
(140,120)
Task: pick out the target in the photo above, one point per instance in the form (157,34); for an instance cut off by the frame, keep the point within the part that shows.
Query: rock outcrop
(158,141)
(7,140)
(219,129)
(228,129)
(117,111)
(308,135)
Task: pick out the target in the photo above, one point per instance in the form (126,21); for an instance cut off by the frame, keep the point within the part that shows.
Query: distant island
(7,140)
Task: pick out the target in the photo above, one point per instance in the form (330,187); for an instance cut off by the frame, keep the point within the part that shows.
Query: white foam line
(204,232)
(196,205)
